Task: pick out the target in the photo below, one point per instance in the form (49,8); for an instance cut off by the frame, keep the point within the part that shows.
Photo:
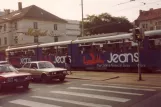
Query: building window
(156,23)
(55,27)
(151,28)
(35,25)
(5,40)
(4,27)
(15,25)
(36,39)
(146,25)
(143,25)
(55,39)
(16,40)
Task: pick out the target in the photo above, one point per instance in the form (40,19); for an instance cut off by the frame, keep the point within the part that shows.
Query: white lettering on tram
(60,59)
(25,60)
(123,58)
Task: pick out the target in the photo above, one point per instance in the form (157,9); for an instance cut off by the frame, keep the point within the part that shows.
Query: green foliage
(105,23)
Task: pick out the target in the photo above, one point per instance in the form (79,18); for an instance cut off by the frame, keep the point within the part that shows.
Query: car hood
(52,69)
(14,74)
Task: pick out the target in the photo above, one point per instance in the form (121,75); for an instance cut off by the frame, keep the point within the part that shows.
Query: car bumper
(15,84)
(57,76)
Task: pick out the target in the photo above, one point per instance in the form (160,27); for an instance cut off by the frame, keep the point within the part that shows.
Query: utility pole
(82,30)
(138,36)
(139,71)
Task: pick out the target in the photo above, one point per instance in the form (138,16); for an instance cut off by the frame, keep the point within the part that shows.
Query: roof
(31,12)
(149,15)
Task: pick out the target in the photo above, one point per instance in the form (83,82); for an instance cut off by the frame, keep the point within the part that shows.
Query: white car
(44,71)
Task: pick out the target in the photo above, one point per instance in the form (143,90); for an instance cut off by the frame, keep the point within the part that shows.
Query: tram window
(152,44)
(49,50)
(62,50)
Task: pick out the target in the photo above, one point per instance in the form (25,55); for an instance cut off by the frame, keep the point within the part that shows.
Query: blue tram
(101,53)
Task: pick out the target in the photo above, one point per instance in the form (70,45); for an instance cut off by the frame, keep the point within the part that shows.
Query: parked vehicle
(44,71)
(11,78)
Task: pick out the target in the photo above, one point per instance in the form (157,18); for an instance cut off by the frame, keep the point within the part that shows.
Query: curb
(111,78)
(92,79)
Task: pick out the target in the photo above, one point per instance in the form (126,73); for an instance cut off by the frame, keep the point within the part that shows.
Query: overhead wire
(143,4)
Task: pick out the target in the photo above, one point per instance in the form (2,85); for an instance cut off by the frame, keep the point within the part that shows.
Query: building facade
(30,25)
(149,20)
(73,29)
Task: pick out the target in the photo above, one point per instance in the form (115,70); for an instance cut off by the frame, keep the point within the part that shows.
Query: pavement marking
(32,103)
(3,96)
(117,99)
(118,92)
(73,102)
(136,86)
(119,87)
(36,89)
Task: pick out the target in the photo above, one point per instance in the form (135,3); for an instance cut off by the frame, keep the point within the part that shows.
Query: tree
(105,23)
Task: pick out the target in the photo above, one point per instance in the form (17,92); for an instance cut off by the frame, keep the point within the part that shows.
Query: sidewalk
(115,77)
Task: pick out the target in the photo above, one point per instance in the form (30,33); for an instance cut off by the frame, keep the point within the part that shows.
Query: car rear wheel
(26,85)
(62,78)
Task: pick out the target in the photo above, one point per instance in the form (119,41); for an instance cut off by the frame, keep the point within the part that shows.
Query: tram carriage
(100,53)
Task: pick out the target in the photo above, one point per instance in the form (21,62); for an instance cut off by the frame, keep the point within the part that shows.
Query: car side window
(34,66)
(27,65)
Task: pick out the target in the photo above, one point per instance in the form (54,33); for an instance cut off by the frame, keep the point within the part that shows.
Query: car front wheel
(44,78)
(26,85)
(62,78)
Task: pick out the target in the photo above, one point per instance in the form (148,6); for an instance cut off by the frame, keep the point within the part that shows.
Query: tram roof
(55,43)
(116,37)
(21,48)
(153,33)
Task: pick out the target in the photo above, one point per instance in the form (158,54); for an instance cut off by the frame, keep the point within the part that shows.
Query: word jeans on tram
(60,59)
(25,60)
(123,58)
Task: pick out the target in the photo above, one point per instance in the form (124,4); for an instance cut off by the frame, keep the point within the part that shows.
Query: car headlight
(65,72)
(10,79)
(28,78)
(52,73)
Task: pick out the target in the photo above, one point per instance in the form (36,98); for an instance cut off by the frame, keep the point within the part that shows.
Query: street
(82,93)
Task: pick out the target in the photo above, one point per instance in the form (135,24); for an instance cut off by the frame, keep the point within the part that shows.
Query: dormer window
(4,27)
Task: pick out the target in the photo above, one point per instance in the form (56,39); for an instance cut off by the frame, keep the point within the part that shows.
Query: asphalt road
(82,93)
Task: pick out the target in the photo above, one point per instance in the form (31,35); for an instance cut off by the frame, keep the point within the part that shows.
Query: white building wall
(24,25)
(68,31)
(73,29)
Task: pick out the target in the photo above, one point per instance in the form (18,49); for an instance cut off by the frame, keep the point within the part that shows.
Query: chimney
(19,5)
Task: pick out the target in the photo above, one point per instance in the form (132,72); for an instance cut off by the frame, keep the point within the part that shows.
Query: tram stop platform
(152,79)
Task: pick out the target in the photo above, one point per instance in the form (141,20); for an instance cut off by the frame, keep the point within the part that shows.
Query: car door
(34,70)
(25,68)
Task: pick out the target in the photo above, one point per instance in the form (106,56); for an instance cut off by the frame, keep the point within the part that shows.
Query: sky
(71,9)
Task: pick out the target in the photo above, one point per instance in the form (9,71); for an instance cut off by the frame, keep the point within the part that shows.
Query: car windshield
(7,68)
(43,65)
